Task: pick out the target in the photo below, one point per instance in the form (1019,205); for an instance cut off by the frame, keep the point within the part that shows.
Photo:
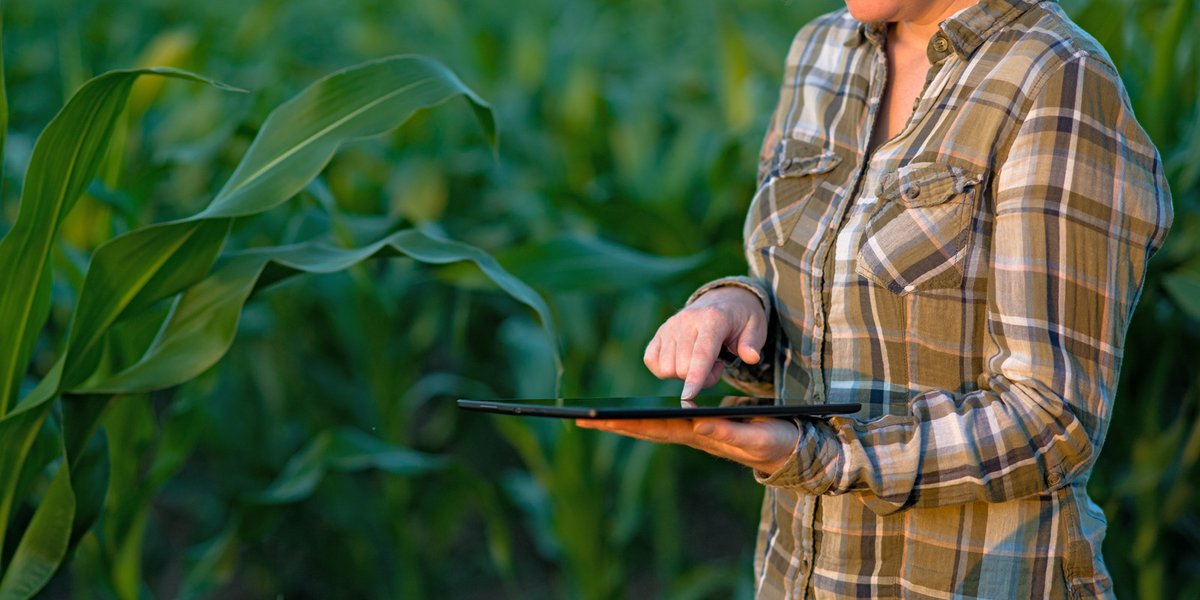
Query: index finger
(704,354)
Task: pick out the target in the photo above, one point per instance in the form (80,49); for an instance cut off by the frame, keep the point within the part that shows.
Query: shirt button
(911,191)
(941,44)
(1053,477)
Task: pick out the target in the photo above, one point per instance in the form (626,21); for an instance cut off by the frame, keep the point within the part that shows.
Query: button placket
(825,245)
(930,89)
(936,78)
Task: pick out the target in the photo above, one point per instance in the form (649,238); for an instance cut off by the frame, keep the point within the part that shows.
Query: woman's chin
(870,11)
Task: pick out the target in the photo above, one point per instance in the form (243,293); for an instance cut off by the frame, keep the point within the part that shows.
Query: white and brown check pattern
(970,283)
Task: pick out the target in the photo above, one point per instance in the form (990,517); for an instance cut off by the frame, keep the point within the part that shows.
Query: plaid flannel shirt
(970,282)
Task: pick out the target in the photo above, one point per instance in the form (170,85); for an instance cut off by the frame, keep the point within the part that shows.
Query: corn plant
(160,304)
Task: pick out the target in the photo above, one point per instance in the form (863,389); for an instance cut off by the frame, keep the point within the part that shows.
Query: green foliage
(170,262)
(323,457)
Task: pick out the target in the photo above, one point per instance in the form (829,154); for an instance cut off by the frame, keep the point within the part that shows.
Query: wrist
(733,293)
(788,441)
(748,284)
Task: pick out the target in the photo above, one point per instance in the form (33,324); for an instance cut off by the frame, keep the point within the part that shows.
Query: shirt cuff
(814,466)
(750,284)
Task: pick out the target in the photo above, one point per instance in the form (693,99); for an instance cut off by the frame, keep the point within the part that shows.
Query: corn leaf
(66,158)
(346,450)
(45,542)
(89,469)
(590,264)
(135,270)
(214,564)
(300,136)
(18,429)
(1184,288)
(3,98)
(204,320)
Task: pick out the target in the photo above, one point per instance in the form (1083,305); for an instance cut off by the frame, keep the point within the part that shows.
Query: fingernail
(754,357)
(704,428)
(689,391)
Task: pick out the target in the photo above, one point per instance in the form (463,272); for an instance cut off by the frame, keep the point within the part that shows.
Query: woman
(955,211)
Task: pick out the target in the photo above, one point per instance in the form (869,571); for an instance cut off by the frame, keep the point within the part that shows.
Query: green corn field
(252,251)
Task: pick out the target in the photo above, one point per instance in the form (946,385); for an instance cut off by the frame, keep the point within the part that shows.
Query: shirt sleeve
(1080,205)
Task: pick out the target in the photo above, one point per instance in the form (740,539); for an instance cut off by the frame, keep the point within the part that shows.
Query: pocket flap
(919,234)
(926,184)
(786,186)
(795,157)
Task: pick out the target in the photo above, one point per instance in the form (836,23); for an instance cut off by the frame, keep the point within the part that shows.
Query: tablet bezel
(595,408)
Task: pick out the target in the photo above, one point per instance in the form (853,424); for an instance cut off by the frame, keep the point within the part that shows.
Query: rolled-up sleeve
(1080,205)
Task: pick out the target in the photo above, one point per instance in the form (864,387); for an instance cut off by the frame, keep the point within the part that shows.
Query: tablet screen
(654,407)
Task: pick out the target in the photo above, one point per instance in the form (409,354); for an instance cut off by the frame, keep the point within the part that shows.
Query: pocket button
(1054,477)
(911,191)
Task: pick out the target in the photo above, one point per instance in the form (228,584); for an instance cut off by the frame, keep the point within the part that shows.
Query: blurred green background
(323,457)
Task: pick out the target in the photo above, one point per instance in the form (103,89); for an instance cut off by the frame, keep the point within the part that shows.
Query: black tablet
(655,407)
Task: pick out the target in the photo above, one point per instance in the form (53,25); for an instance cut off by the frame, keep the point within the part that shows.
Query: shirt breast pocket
(920,233)
(788,182)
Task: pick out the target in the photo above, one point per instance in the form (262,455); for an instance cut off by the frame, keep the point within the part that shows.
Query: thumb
(751,340)
(719,430)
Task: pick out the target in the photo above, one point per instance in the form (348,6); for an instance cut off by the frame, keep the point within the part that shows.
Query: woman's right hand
(687,346)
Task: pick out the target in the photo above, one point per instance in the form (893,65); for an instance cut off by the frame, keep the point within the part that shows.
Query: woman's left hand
(762,443)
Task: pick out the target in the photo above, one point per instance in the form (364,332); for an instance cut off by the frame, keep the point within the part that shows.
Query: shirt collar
(965,31)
